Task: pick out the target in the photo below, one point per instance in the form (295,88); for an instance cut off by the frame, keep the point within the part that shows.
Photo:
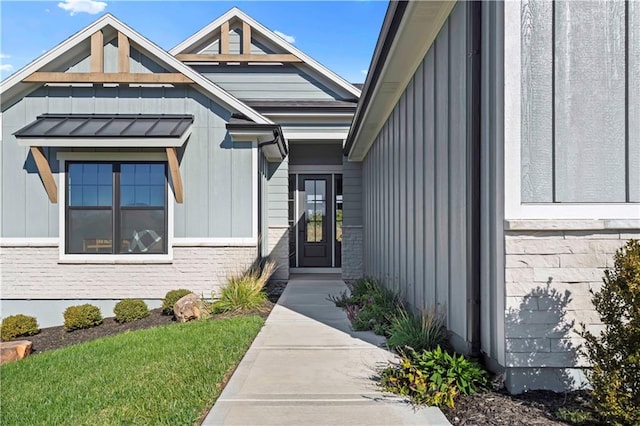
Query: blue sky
(339,34)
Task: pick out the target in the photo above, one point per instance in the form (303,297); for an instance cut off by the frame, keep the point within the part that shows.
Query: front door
(315,228)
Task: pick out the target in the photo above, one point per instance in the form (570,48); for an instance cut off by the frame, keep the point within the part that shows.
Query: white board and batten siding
(217,173)
(415,185)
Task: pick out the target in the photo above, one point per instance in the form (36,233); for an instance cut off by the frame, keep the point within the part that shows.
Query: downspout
(474,19)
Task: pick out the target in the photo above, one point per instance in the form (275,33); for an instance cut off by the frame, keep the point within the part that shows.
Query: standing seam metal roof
(107,126)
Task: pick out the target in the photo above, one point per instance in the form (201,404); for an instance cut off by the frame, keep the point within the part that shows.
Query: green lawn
(162,376)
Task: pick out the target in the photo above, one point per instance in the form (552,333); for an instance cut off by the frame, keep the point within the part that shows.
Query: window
(116,208)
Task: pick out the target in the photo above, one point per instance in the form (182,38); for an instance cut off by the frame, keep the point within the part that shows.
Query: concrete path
(307,367)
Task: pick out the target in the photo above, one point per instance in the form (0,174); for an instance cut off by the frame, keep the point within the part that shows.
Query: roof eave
(409,29)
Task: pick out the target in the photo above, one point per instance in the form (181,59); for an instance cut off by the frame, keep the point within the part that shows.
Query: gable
(235,50)
(109,52)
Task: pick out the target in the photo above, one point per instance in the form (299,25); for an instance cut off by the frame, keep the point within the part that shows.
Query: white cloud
(365,72)
(82,6)
(287,38)
(6,67)
(3,56)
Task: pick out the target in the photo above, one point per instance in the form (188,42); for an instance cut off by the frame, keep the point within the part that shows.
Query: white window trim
(514,208)
(63,157)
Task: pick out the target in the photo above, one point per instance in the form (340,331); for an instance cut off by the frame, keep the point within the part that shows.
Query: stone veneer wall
(548,277)
(35,273)
(352,252)
(279,250)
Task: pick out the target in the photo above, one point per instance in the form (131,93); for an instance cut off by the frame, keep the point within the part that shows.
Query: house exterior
(129,171)
(491,168)
(500,154)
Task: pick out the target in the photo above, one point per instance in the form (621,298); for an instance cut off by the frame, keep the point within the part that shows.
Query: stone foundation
(35,274)
(548,278)
(352,253)
(279,250)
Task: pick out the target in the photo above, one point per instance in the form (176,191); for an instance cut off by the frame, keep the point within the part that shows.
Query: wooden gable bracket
(176,178)
(97,74)
(246,55)
(45,173)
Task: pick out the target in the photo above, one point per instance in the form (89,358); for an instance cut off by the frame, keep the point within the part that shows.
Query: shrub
(615,353)
(370,306)
(245,292)
(171,298)
(18,326)
(424,331)
(81,316)
(433,377)
(128,310)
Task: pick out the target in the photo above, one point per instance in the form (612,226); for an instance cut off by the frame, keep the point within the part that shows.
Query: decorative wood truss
(245,56)
(97,74)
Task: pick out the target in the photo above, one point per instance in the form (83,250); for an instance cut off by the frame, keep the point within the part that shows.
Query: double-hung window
(116,208)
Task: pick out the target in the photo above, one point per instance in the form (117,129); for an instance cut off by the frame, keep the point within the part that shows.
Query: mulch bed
(56,337)
(530,408)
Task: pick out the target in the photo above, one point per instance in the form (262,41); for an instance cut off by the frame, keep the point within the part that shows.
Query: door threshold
(315,270)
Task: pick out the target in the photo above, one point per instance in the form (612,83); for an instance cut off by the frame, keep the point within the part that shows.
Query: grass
(164,376)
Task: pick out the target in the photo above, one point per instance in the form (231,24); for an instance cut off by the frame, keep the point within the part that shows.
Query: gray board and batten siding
(216,172)
(416,192)
(269,81)
(580,101)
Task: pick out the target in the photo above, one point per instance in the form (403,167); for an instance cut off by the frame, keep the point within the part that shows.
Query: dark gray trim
(304,106)
(392,19)
(106,126)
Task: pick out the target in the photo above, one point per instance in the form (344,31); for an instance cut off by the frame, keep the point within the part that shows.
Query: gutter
(393,18)
(278,136)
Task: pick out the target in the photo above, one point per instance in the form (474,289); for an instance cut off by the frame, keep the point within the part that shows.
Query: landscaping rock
(14,351)
(188,308)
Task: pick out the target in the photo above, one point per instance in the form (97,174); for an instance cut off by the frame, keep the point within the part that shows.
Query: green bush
(615,353)
(424,331)
(17,326)
(81,316)
(245,292)
(128,310)
(171,298)
(370,306)
(433,377)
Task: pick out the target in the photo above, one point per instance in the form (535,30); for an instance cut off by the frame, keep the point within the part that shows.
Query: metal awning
(107,130)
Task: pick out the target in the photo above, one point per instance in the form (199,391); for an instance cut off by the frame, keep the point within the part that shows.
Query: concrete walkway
(307,367)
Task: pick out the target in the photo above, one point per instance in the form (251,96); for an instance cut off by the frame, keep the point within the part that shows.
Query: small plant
(128,310)
(81,316)
(615,353)
(245,292)
(18,326)
(433,377)
(575,416)
(171,298)
(370,306)
(424,331)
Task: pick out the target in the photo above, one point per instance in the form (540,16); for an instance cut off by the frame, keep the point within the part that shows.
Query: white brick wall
(548,278)
(352,252)
(279,250)
(34,273)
